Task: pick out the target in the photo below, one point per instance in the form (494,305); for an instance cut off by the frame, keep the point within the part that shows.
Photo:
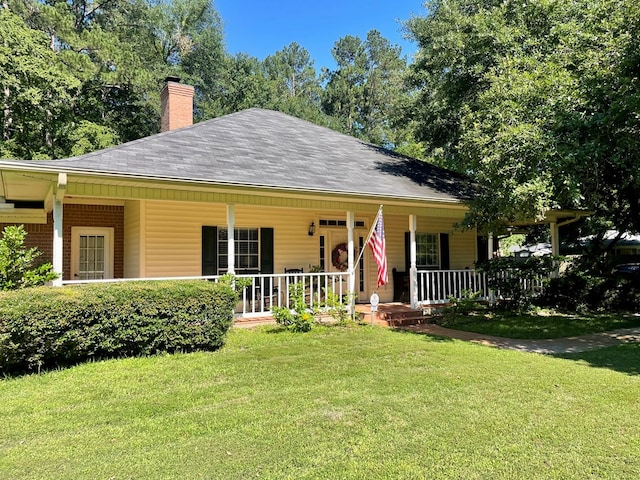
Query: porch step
(394,315)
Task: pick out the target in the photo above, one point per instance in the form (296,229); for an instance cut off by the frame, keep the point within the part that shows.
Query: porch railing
(438,286)
(267,290)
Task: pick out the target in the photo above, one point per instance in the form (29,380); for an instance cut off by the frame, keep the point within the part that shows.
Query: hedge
(46,327)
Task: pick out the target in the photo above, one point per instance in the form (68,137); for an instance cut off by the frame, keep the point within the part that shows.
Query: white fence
(267,290)
(438,286)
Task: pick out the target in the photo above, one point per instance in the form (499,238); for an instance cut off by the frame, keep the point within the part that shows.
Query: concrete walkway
(549,346)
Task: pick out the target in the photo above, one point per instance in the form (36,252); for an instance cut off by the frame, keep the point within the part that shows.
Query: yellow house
(296,195)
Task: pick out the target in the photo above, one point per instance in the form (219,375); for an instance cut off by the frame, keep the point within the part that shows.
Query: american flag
(379,249)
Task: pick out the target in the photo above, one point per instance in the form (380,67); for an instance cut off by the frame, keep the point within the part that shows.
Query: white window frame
(436,254)
(76,233)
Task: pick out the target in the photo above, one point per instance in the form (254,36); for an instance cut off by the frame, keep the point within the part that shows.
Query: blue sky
(260,28)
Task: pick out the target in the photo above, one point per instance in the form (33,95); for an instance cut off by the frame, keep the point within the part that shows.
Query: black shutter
(209,250)
(407,251)
(444,251)
(483,247)
(266,250)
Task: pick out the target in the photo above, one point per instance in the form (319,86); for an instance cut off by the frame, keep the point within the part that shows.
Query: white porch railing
(438,286)
(269,290)
(266,290)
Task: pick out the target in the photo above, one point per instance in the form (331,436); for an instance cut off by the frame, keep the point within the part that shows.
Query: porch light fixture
(312,229)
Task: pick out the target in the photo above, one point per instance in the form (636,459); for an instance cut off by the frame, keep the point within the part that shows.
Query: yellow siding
(132,239)
(172,237)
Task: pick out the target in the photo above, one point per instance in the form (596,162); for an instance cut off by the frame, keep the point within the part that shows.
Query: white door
(91,253)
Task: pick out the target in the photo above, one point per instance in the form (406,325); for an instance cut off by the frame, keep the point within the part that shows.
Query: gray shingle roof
(264,148)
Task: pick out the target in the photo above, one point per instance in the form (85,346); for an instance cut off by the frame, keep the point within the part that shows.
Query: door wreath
(340,257)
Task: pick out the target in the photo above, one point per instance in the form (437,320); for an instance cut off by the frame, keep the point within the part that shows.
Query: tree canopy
(538,101)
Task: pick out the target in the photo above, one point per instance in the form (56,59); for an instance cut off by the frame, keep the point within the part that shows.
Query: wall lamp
(312,229)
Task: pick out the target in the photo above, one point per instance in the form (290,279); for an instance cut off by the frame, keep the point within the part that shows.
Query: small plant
(336,307)
(17,262)
(299,318)
(466,304)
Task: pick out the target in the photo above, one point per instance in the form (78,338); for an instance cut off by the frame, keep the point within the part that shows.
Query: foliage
(580,291)
(337,307)
(366,90)
(466,304)
(297,318)
(538,101)
(17,262)
(514,280)
(54,327)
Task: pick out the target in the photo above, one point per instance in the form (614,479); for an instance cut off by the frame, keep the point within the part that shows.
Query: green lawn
(544,324)
(336,403)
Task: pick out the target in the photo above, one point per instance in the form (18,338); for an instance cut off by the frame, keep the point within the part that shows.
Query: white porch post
(57,227)
(351,258)
(490,246)
(492,297)
(413,270)
(231,244)
(555,247)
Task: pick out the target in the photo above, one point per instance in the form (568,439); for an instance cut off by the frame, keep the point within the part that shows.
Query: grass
(335,403)
(539,325)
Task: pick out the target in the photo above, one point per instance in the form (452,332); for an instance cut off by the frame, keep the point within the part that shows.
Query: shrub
(580,291)
(299,318)
(51,327)
(513,278)
(18,267)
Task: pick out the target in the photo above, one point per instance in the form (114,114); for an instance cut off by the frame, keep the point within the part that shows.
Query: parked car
(627,270)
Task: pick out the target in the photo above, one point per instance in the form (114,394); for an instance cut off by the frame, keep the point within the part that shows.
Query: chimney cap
(172,78)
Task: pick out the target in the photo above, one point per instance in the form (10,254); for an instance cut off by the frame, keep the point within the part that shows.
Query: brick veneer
(41,236)
(177,106)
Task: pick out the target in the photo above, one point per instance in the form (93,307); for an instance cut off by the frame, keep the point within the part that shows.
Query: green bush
(579,291)
(299,318)
(49,327)
(18,268)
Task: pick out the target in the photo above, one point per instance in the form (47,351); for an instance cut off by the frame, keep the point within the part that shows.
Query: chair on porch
(266,294)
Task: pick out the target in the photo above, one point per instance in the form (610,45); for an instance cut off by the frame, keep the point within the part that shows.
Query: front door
(91,253)
(337,258)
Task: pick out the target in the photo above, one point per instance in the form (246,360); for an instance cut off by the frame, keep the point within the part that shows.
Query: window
(322,253)
(247,249)
(339,223)
(427,255)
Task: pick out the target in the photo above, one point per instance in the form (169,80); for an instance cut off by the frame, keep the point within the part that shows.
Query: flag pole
(364,246)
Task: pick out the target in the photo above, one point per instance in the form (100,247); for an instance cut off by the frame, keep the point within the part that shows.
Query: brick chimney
(177,104)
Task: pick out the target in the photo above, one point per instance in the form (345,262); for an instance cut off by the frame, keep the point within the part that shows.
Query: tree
(36,91)
(366,89)
(536,100)
(17,263)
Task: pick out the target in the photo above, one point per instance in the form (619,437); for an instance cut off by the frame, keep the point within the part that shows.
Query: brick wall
(41,236)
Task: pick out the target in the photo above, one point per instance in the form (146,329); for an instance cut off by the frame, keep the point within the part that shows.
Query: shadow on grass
(430,336)
(621,358)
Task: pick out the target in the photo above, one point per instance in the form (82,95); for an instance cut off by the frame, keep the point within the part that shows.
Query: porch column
(413,270)
(490,246)
(555,248)
(60,189)
(231,245)
(351,258)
